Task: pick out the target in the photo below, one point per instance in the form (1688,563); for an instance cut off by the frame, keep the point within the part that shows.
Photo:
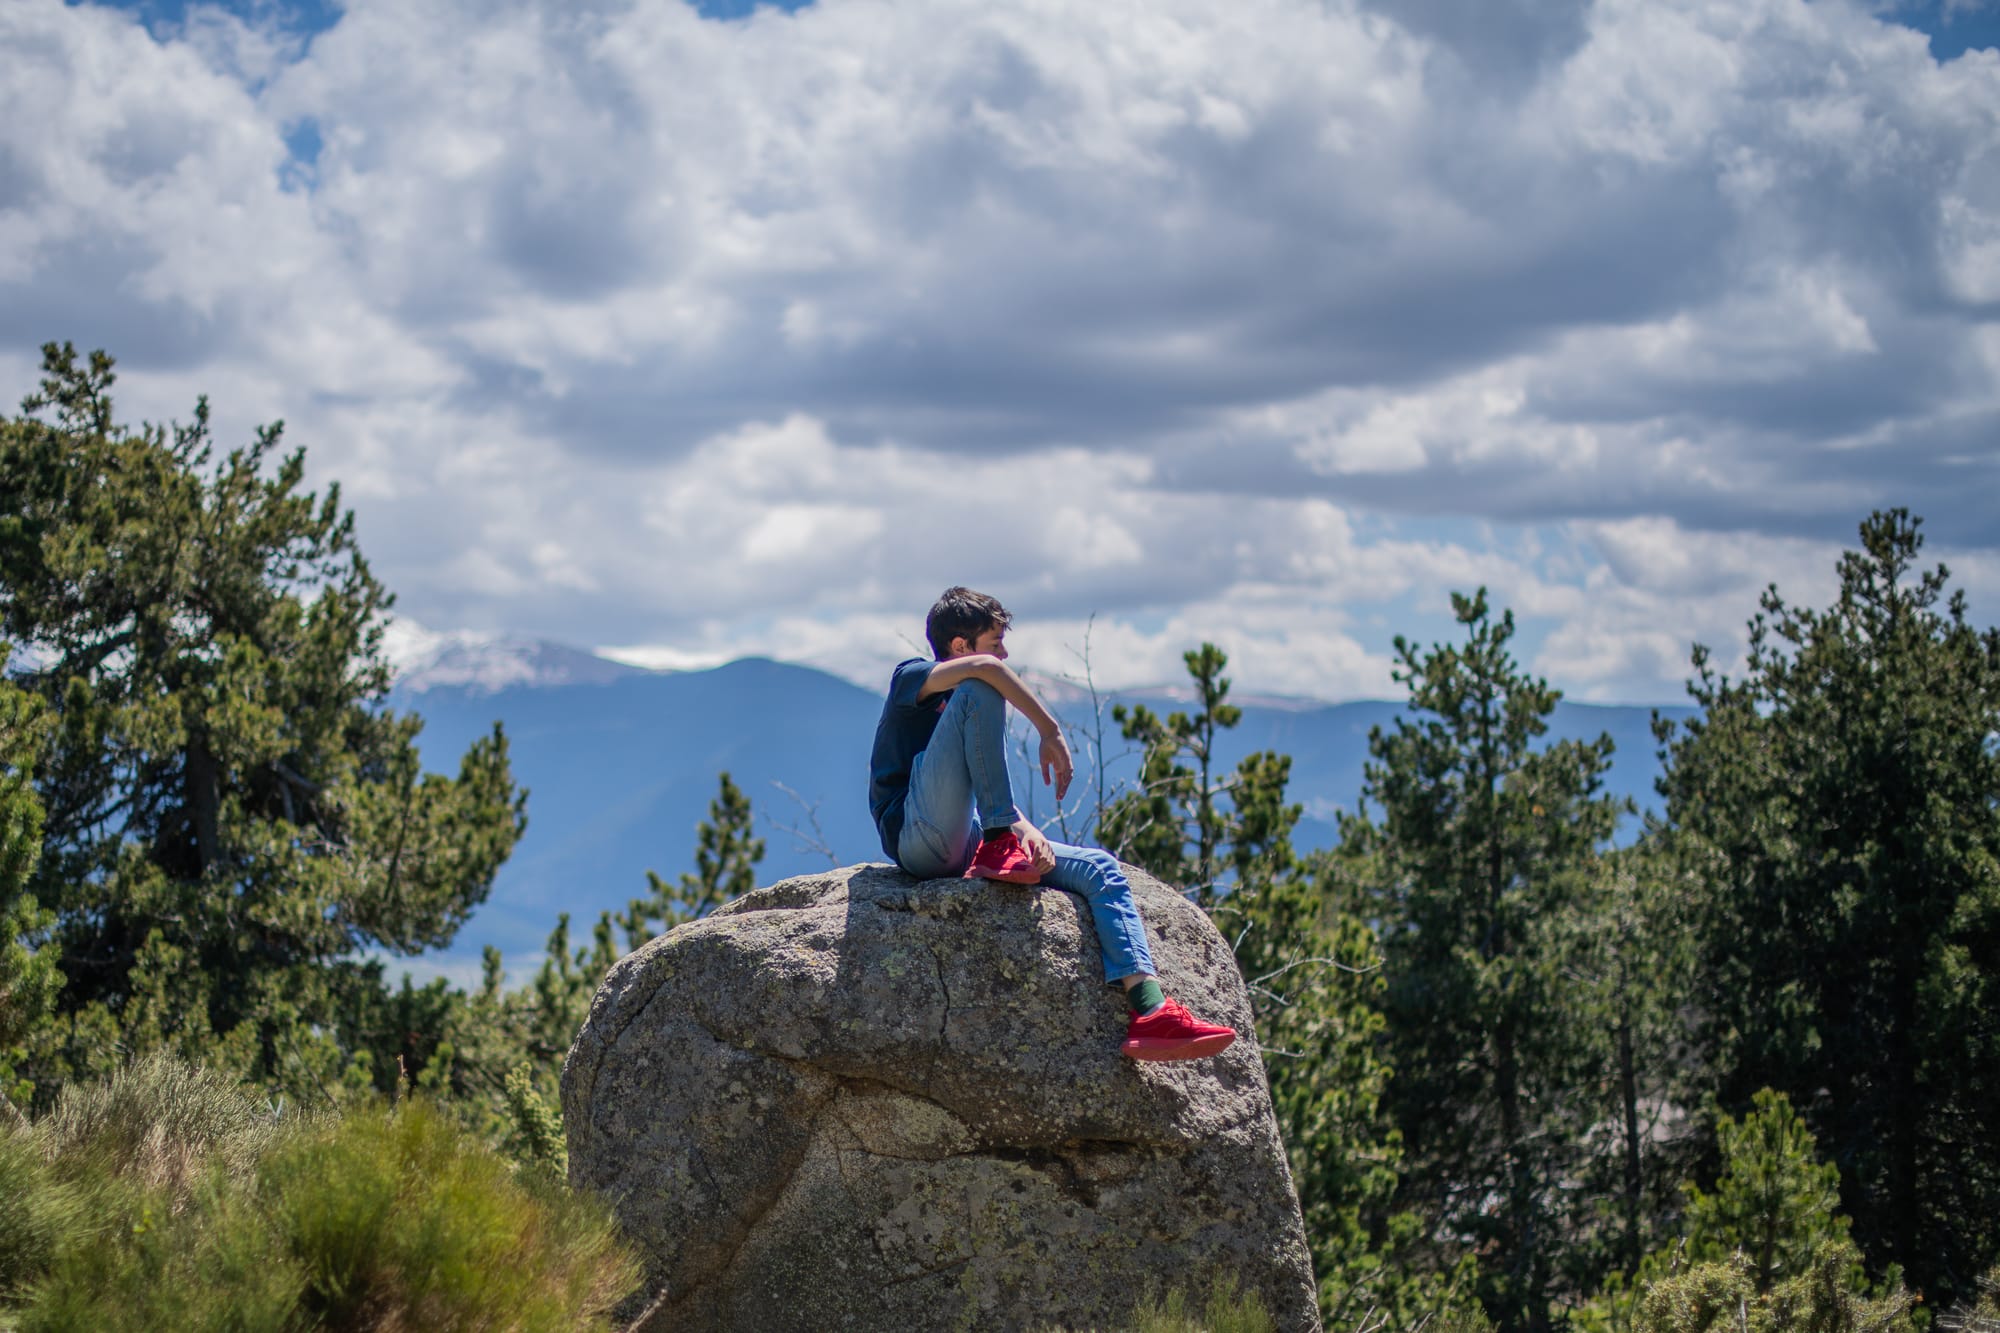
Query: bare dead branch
(807,838)
(1348,968)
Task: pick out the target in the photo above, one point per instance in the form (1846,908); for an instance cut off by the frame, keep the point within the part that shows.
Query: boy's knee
(979,697)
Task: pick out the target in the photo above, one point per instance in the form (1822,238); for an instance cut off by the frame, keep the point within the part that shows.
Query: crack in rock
(944,992)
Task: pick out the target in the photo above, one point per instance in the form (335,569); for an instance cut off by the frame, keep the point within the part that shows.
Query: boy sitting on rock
(943,803)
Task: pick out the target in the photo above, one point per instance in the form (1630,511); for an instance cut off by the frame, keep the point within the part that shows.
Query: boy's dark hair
(962,612)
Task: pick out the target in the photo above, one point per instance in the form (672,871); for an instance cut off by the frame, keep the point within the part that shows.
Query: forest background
(1741,1069)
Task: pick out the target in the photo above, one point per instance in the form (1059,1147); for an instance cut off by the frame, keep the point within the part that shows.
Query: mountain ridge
(621,767)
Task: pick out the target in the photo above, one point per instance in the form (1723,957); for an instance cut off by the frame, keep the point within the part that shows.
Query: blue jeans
(964,770)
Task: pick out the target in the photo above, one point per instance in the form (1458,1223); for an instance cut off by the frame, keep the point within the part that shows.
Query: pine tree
(232,815)
(1312,969)
(1481,847)
(725,866)
(1775,1202)
(1768,1249)
(1628,952)
(28,976)
(1838,804)
(1173,824)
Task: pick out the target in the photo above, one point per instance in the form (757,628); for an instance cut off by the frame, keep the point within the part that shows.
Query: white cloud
(1223,322)
(1660,590)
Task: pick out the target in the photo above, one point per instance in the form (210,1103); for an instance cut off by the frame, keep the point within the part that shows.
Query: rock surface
(858,1101)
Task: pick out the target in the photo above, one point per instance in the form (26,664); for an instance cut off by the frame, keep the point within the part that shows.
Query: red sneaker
(1170,1032)
(1003,858)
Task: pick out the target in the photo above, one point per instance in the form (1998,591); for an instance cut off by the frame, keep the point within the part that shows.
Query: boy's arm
(1057,767)
(980,666)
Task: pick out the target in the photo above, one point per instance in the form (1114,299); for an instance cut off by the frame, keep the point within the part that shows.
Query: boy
(941,753)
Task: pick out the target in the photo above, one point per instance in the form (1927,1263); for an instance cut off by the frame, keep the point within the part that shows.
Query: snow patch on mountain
(662,657)
(479,663)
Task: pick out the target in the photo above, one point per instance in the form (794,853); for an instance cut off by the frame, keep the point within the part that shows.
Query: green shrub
(166,1198)
(109,1218)
(210,1266)
(1775,1202)
(537,1131)
(1227,1310)
(399,1218)
(1723,1298)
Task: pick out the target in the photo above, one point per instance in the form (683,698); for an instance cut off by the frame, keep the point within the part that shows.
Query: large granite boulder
(858,1101)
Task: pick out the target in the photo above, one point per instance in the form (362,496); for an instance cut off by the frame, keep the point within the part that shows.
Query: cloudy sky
(696,331)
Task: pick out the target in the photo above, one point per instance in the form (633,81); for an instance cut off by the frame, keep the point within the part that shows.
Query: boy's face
(992,641)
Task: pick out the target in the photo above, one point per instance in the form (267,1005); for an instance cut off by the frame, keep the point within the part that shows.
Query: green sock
(1145,997)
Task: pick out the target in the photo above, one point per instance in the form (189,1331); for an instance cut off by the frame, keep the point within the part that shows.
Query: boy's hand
(1057,767)
(1036,844)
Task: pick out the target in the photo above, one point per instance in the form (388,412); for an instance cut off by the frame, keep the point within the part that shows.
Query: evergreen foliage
(1723,1297)
(538,1127)
(1629,949)
(1837,806)
(28,977)
(1976,1313)
(1774,1203)
(1313,972)
(1172,824)
(1480,852)
(231,815)
(1767,1248)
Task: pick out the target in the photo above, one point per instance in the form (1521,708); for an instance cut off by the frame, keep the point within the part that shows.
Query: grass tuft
(157,1122)
(1226,1310)
(39,1214)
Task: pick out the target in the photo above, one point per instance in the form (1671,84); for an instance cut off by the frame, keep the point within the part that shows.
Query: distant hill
(621,764)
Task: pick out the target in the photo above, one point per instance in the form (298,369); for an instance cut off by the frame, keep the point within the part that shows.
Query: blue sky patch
(302,142)
(307,17)
(740,9)
(1954,26)
(302,17)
